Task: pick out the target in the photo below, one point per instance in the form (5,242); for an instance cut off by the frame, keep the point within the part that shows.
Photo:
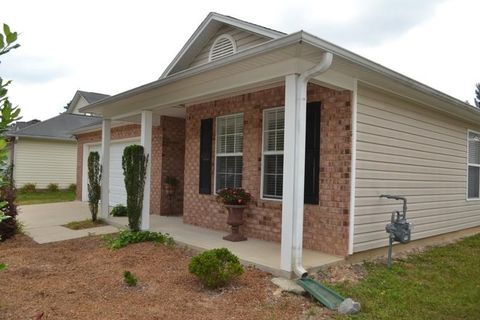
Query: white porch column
(286,258)
(146,141)
(105,182)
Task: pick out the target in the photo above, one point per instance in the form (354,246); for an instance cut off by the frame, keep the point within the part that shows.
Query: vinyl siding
(406,149)
(44,161)
(242,38)
(80,104)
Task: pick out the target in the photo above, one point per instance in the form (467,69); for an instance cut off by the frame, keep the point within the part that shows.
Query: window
(473,165)
(229,152)
(223,46)
(273,137)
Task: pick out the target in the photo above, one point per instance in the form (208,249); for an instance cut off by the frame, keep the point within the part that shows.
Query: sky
(112,46)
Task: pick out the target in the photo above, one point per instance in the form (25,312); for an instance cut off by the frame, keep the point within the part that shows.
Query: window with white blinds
(272,154)
(473,165)
(229,152)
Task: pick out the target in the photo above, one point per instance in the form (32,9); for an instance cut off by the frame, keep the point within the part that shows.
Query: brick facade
(168,149)
(326,224)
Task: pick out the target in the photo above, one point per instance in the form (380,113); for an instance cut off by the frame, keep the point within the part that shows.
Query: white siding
(243,39)
(80,104)
(45,161)
(405,149)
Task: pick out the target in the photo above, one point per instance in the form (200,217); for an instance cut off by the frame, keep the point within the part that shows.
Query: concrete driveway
(43,222)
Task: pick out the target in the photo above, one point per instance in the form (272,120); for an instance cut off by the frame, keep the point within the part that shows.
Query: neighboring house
(46,152)
(230,111)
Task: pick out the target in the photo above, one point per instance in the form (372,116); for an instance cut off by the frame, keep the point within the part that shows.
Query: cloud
(368,22)
(31,69)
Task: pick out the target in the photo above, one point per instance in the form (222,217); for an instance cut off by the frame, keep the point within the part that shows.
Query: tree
(477,95)
(94,178)
(134,164)
(8,114)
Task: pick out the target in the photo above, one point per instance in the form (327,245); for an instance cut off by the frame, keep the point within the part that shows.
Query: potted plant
(235,200)
(170,185)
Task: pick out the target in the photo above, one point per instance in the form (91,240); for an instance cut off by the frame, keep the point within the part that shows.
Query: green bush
(126,237)
(129,279)
(134,164)
(29,188)
(93,186)
(215,268)
(119,211)
(72,187)
(2,266)
(52,187)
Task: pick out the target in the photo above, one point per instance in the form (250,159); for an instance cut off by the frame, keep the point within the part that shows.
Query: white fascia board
(263,48)
(384,71)
(223,19)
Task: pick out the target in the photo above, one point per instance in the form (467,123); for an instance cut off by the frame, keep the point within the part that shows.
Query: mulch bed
(82,279)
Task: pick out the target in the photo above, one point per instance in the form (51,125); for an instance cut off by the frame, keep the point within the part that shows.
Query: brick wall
(326,224)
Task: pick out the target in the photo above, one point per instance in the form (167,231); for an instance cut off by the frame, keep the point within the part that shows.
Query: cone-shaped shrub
(94,177)
(134,164)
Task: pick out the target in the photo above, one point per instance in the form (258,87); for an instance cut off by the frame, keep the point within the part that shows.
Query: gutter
(301,119)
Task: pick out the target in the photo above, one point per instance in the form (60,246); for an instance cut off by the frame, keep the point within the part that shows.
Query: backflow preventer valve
(399,228)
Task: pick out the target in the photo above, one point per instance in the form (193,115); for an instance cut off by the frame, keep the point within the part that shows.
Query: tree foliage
(94,179)
(477,95)
(134,164)
(8,114)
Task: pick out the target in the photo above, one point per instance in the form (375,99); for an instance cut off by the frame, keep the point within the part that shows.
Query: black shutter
(205,179)
(312,153)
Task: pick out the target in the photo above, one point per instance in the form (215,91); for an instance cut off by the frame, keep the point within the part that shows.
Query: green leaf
(6,29)
(12,37)
(2,266)
(2,42)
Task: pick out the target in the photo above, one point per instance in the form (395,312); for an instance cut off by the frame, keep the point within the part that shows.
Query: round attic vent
(223,46)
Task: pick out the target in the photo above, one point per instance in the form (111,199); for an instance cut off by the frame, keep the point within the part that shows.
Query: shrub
(2,266)
(52,187)
(134,164)
(94,177)
(233,196)
(72,187)
(8,208)
(29,188)
(126,237)
(215,268)
(129,279)
(119,211)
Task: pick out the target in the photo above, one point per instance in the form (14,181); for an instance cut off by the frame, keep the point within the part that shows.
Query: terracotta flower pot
(235,220)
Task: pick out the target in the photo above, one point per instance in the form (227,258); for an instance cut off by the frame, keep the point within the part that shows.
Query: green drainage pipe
(326,296)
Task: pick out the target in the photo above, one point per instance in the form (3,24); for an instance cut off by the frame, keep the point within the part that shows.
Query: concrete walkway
(43,222)
(264,255)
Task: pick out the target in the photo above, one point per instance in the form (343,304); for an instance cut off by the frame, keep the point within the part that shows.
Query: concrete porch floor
(264,255)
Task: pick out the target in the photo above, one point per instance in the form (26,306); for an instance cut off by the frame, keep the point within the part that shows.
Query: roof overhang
(268,63)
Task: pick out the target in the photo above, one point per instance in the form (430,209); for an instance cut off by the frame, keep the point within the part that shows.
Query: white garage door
(118,194)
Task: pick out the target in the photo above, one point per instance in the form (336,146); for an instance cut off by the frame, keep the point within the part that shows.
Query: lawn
(83,279)
(442,283)
(45,197)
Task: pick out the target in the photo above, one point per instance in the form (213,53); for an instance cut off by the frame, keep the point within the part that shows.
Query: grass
(84,224)
(442,283)
(45,197)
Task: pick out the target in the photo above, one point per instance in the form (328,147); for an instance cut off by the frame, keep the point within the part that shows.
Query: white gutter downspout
(301,118)
(353,169)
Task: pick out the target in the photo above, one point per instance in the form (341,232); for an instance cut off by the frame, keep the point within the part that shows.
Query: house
(46,152)
(314,132)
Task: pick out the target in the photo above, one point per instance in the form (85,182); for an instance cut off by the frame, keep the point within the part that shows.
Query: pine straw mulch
(82,279)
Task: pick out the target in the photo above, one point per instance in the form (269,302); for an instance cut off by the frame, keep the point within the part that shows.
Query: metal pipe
(301,109)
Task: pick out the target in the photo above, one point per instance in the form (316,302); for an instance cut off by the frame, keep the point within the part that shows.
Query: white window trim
(220,37)
(470,165)
(268,153)
(235,154)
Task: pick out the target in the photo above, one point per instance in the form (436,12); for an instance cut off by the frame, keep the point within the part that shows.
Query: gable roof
(90,97)
(57,128)
(212,23)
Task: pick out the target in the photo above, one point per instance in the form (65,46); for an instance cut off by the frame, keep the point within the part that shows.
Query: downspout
(301,109)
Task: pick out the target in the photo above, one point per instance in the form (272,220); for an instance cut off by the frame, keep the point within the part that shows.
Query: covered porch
(264,255)
(287,72)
